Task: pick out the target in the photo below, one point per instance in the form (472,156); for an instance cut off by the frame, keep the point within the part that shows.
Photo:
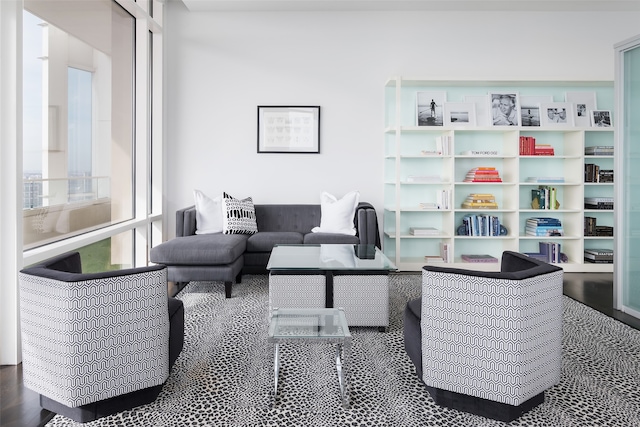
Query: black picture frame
(289,129)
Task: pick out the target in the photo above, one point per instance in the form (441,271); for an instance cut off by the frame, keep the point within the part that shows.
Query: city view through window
(78,128)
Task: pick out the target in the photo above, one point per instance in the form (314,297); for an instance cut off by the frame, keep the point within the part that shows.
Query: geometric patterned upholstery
(492,335)
(89,337)
(365,298)
(299,291)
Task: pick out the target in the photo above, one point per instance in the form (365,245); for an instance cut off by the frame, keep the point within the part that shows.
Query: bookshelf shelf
(413,153)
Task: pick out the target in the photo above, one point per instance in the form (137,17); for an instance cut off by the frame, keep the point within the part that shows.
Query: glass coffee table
(291,325)
(354,277)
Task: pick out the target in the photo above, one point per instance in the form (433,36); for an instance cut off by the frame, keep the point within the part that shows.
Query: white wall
(221,66)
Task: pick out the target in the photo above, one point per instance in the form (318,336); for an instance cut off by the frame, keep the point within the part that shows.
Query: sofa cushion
(263,241)
(208,213)
(239,216)
(201,249)
(324,238)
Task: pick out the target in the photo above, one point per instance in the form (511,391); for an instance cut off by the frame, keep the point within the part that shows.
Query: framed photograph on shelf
(284,129)
(505,109)
(601,118)
(530,108)
(483,116)
(583,104)
(430,108)
(459,114)
(556,114)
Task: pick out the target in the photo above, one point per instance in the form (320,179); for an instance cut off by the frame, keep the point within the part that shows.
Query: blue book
(544,221)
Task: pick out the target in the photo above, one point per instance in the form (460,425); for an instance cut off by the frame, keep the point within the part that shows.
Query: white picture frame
(556,115)
(583,104)
(530,109)
(601,118)
(505,108)
(430,108)
(483,113)
(459,114)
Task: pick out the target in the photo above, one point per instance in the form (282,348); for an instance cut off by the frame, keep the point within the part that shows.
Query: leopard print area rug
(224,374)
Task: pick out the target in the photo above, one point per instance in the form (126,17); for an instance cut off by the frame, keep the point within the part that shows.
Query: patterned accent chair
(488,343)
(97,344)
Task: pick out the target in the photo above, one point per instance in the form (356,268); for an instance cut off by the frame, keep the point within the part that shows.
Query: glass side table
(290,325)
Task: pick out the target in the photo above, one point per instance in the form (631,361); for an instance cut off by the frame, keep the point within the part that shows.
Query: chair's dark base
(93,411)
(483,407)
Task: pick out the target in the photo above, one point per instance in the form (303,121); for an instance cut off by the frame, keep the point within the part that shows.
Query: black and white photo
(530,108)
(459,114)
(556,114)
(601,118)
(430,108)
(582,104)
(505,109)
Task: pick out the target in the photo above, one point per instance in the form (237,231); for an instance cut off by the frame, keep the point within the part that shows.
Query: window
(78,147)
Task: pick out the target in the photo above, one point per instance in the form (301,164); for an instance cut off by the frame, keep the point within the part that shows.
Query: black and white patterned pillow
(239,216)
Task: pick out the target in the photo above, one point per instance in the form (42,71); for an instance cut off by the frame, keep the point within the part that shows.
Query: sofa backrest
(285,217)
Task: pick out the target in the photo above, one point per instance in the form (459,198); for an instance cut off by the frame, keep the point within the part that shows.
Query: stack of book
(549,252)
(598,203)
(434,259)
(478,258)
(605,175)
(428,205)
(543,150)
(480,225)
(598,256)
(424,231)
(479,153)
(599,150)
(529,147)
(483,174)
(547,179)
(543,227)
(424,178)
(430,153)
(544,197)
(593,173)
(592,229)
(480,201)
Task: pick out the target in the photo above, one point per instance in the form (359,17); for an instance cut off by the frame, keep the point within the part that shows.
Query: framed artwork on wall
(556,114)
(583,104)
(288,129)
(505,109)
(459,114)
(430,108)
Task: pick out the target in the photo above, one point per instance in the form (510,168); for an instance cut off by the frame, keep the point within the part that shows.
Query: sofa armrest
(186,221)
(367,225)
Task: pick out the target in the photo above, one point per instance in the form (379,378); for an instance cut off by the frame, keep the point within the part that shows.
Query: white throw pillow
(336,216)
(208,213)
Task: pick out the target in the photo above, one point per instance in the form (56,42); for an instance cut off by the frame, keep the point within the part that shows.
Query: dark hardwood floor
(19,406)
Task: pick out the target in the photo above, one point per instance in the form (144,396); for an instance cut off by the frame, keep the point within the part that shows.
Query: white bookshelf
(405,144)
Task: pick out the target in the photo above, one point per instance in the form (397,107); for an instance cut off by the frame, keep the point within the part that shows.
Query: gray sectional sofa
(225,257)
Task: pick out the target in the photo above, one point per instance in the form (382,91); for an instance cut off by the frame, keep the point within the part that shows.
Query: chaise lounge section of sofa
(225,257)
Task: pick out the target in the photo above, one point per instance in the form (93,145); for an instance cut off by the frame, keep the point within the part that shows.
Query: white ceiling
(388,5)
